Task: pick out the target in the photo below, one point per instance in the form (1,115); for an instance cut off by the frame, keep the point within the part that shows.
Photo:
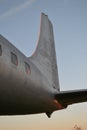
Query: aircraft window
(0,50)
(14,59)
(27,68)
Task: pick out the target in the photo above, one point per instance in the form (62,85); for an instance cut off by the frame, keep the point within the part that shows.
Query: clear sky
(19,23)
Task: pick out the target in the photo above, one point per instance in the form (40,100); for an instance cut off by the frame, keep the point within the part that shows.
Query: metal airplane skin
(30,85)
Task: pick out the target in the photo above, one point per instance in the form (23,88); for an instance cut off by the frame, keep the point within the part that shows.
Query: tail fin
(45,56)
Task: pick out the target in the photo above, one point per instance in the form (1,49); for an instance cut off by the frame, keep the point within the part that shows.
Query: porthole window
(0,50)
(27,68)
(14,58)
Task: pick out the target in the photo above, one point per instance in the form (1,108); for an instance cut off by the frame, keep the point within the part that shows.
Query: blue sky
(19,23)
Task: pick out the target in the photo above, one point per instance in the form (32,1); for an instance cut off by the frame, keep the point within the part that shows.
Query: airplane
(30,85)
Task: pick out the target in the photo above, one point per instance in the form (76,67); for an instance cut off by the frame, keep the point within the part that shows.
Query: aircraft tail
(45,56)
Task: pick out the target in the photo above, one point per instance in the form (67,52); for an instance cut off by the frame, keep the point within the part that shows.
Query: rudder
(45,55)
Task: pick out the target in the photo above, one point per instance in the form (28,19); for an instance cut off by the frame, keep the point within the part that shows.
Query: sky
(19,23)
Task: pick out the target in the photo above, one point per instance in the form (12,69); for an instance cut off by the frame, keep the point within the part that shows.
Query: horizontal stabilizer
(66,98)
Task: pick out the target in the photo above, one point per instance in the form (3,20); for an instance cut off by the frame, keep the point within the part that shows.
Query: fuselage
(23,88)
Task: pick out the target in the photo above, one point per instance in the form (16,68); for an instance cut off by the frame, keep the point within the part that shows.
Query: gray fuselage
(22,92)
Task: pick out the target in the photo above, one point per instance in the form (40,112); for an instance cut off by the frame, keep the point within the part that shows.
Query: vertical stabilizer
(45,56)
